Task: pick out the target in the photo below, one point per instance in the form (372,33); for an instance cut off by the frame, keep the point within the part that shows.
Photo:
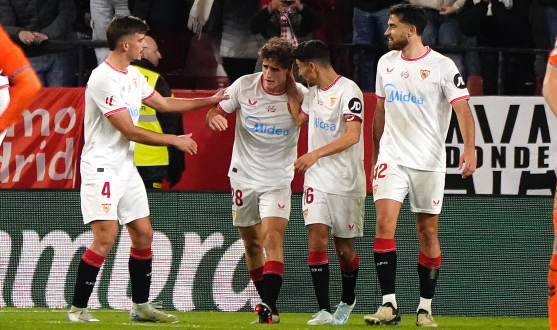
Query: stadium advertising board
(516,146)
(199,260)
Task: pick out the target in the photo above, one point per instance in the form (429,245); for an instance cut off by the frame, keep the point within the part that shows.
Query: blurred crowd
(207,44)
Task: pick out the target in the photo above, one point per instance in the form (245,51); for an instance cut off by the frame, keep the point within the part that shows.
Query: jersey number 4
(106,190)
(378,173)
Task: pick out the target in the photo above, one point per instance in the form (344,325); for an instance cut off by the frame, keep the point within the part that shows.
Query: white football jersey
(266,137)
(418,95)
(109,90)
(328,110)
(4,93)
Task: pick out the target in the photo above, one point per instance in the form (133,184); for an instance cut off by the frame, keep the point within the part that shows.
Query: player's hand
(27,37)
(446,11)
(217,123)
(186,144)
(220,96)
(40,37)
(303,163)
(467,163)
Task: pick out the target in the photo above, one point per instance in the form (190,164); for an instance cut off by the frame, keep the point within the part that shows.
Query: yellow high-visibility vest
(150,155)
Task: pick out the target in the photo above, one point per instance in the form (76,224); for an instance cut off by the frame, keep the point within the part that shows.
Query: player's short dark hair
(279,51)
(313,51)
(410,14)
(122,26)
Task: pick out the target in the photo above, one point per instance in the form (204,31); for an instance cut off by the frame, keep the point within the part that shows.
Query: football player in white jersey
(335,183)
(416,87)
(112,191)
(261,170)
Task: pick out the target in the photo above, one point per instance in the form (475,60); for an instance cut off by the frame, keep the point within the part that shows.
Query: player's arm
(216,119)
(466,123)
(295,100)
(123,122)
(377,127)
(550,87)
(171,104)
(345,141)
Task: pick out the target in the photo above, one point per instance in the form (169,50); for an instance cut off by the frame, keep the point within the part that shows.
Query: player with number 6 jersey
(262,169)
(334,184)
(112,191)
(416,87)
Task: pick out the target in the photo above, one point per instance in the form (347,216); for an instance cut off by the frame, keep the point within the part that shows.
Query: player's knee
(105,241)
(345,253)
(384,229)
(253,247)
(427,233)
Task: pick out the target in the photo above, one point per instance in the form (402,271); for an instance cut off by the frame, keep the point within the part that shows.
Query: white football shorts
(425,188)
(110,198)
(343,214)
(252,203)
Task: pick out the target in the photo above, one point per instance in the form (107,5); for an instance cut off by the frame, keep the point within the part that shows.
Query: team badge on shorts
(234,215)
(424,74)
(375,189)
(305,213)
(106,208)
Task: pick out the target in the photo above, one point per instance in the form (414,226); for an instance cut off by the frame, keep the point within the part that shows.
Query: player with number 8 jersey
(261,169)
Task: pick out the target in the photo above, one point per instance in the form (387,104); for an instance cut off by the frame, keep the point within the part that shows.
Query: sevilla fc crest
(333,101)
(305,213)
(424,74)
(106,208)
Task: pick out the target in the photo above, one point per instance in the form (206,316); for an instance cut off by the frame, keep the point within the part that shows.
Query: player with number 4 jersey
(416,87)
(334,184)
(112,191)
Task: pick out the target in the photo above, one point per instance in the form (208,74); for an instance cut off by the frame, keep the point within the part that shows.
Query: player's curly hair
(279,51)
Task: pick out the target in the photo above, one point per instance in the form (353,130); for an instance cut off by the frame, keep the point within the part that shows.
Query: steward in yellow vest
(154,163)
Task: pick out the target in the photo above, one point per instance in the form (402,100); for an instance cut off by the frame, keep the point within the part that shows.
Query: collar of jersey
(332,84)
(113,68)
(417,58)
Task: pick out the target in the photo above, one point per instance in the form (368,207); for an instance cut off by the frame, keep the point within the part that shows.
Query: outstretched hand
(186,144)
(219,96)
(303,163)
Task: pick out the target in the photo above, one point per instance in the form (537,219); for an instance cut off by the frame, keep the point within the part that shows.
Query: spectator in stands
(442,26)
(168,23)
(238,47)
(288,19)
(369,22)
(551,11)
(83,19)
(102,12)
(156,164)
(32,25)
(502,24)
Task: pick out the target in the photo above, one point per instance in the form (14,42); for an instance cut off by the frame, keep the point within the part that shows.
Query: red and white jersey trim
(465,97)
(113,68)
(114,111)
(148,97)
(304,113)
(417,58)
(331,85)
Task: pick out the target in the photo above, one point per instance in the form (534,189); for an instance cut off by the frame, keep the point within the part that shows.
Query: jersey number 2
(106,190)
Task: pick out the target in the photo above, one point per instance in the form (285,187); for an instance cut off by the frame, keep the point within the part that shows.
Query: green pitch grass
(42,318)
